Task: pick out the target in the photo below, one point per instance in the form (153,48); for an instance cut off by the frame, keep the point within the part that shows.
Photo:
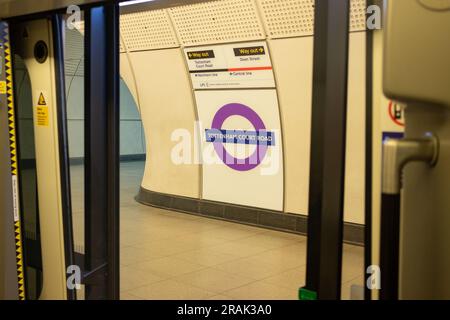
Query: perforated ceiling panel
(358,15)
(295,18)
(217,22)
(147,30)
(288,18)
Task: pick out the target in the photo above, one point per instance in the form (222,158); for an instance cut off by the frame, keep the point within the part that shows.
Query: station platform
(172,255)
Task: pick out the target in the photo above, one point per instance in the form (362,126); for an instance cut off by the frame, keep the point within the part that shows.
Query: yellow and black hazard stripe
(4,38)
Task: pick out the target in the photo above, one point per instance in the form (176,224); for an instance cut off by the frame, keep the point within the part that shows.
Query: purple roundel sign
(237,109)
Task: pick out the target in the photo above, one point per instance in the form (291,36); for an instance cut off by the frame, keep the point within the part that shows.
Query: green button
(305,294)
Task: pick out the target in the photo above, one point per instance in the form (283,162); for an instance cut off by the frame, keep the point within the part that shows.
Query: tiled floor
(170,255)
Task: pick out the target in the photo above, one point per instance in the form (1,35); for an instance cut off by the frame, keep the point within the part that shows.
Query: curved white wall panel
(356,126)
(292,60)
(166,105)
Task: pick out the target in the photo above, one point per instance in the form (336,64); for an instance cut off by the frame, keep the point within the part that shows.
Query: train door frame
(102,124)
(328,150)
(100,265)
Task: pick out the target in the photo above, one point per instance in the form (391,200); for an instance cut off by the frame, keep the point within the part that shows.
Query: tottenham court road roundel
(259,137)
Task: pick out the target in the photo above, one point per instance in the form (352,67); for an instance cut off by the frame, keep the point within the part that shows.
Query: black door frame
(102,115)
(328,148)
(368,202)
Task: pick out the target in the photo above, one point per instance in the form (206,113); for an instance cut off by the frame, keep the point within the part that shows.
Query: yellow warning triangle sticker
(41,101)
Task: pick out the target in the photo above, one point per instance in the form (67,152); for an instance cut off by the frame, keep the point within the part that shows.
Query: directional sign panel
(230,66)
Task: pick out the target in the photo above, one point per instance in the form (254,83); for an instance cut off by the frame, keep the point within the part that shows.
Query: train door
(8,221)
(35,216)
(38,154)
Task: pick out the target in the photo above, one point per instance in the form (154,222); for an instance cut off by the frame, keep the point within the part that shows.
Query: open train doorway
(132,138)
(224,90)
(220,208)
(167,252)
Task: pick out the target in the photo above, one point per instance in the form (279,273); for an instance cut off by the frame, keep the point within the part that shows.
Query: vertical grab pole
(328,145)
(102,151)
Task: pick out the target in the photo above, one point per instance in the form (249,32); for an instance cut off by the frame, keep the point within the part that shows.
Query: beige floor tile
(289,257)
(171,290)
(262,291)
(135,238)
(199,240)
(132,278)
(352,263)
(132,255)
(292,279)
(242,250)
(179,228)
(206,257)
(185,219)
(253,268)
(214,280)
(269,241)
(165,247)
(167,267)
(129,225)
(220,297)
(232,232)
(127,295)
